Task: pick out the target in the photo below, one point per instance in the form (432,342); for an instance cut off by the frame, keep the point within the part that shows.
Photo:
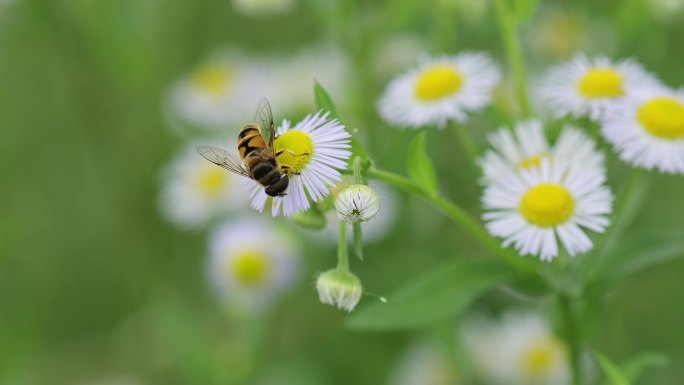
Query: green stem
(358,179)
(457,214)
(342,256)
(358,240)
(509,35)
(572,338)
(467,141)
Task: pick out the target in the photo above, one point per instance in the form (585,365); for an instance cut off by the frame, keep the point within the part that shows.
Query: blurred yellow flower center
(438,81)
(250,267)
(532,161)
(538,358)
(298,147)
(663,117)
(211,79)
(601,83)
(547,204)
(211,180)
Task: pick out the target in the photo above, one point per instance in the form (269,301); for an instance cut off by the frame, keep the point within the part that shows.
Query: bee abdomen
(249,141)
(265,173)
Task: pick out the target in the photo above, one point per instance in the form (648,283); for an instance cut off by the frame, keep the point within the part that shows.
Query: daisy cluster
(543,197)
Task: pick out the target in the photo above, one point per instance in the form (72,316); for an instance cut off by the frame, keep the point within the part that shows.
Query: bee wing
(223,158)
(264,116)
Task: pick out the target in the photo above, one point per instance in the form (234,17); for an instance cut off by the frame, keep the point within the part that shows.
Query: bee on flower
(440,89)
(647,130)
(520,349)
(586,87)
(252,262)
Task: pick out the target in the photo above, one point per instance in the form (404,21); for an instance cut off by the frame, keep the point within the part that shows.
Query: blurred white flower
(315,149)
(425,363)
(666,11)
(339,288)
(531,210)
(647,130)
(357,203)
(587,87)
(263,7)
(518,350)
(440,89)
(527,146)
(251,262)
(224,90)
(196,191)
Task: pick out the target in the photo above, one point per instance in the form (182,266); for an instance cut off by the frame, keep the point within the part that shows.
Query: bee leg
(290,152)
(286,167)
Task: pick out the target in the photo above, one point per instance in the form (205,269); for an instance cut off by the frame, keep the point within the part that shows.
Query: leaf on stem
(420,166)
(324,102)
(613,374)
(436,295)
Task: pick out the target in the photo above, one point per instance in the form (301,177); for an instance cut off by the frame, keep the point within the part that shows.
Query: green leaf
(636,366)
(324,102)
(436,295)
(641,252)
(420,166)
(524,9)
(612,373)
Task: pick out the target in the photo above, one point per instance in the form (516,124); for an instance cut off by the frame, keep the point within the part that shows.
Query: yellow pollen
(532,161)
(538,358)
(211,79)
(250,267)
(601,83)
(298,147)
(663,118)
(437,82)
(547,204)
(211,180)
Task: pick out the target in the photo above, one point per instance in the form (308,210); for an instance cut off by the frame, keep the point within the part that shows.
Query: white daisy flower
(442,88)
(528,146)
(518,350)
(196,191)
(587,87)
(647,130)
(317,148)
(221,91)
(251,262)
(425,363)
(541,204)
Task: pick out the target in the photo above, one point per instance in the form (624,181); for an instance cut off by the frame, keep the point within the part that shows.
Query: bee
(258,156)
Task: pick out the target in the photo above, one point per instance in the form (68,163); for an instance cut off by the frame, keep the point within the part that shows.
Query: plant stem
(342,256)
(572,338)
(467,141)
(457,214)
(358,240)
(509,34)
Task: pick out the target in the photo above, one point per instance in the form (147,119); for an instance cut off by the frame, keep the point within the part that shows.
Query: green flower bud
(339,288)
(357,203)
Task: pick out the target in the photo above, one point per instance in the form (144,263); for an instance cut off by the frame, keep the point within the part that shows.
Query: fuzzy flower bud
(357,203)
(339,288)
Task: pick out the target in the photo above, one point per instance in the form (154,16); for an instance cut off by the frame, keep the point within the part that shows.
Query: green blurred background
(96,288)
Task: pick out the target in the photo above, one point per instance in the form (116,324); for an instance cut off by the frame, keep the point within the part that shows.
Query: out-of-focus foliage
(97,288)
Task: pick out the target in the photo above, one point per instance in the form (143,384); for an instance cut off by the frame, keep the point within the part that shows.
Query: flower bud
(339,288)
(357,203)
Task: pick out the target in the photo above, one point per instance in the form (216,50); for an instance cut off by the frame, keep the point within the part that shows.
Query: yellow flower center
(211,79)
(532,161)
(663,117)
(547,204)
(298,147)
(601,83)
(437,82)
(538,358)
(250,267)
(211,180)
